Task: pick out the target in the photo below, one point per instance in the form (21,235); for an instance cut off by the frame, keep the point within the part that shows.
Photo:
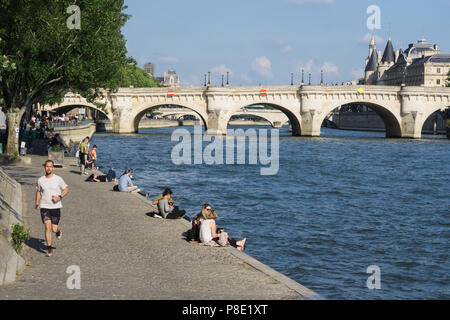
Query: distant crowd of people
(40,127)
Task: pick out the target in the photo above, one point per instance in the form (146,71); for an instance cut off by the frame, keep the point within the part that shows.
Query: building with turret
(422,64)
(171,79)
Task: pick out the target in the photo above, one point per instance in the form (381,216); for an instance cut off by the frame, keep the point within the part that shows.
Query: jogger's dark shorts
(51,214)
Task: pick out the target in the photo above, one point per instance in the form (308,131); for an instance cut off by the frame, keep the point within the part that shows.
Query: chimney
(436,47)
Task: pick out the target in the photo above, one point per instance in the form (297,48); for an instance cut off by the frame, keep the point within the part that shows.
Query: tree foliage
(50,58)
(134,76)
(448,80)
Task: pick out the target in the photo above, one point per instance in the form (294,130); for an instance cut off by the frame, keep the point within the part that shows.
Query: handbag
(223,239)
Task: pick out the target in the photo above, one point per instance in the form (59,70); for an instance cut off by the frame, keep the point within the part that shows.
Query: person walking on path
(51,189)
(84,149)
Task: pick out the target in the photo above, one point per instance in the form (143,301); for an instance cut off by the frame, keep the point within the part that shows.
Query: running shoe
(49,252)
(59,235)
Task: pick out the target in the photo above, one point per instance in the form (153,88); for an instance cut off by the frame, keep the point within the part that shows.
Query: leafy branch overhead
(42,58)
(51,58)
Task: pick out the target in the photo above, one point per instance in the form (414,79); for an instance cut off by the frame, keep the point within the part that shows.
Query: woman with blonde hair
(209,234)
(193,233)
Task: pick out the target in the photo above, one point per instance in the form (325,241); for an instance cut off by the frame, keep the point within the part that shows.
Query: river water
(339,204)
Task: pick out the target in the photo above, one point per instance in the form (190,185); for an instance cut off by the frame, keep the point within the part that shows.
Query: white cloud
(263,66)
(287,48)
(195,81)
(246,78)
(222,69)
(315,69)
(329,67)
(282,45)
(310,1)
(379,41)
(168,60)
(308,67)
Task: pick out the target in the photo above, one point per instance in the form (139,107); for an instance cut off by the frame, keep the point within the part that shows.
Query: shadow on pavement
(37,244)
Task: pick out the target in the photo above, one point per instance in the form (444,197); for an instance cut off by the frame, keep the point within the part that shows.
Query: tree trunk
(13,119)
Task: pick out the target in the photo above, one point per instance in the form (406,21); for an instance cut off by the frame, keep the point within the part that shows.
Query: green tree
(45,55)
(134,76)
(448,80)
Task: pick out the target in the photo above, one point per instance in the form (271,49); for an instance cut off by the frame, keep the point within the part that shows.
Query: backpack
(116,187)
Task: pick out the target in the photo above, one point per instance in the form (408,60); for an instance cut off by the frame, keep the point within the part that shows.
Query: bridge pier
(217,124)
(310,127)
(412,124)
(277,124)
(412,119)
(311,116)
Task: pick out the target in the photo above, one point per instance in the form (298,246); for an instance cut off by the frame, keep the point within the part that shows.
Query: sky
(261,42)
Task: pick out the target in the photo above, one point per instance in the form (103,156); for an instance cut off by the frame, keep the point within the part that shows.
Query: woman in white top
(209,235)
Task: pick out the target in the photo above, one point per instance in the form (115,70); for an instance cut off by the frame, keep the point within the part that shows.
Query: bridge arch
(422,120)
(142,110)
(392,119)
(249,113)
(289,113)
(68,106)
(178,113)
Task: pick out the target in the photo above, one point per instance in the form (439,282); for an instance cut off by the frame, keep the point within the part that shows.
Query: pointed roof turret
(389,55)
(373,62)
(372,41)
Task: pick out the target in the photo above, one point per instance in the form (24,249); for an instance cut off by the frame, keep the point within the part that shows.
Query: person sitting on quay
(125,184)
(111,175)
(171,200)
(194,233)
(210,235)
(95,178)
(169,211)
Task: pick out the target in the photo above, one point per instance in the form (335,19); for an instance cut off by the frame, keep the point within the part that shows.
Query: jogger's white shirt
(49,187)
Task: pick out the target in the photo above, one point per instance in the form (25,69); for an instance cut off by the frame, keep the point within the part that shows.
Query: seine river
(339,204)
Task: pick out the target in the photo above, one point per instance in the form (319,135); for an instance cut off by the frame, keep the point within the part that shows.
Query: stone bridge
(404,110)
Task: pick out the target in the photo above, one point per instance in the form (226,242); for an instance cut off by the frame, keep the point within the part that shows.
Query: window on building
(438,81)
(438,70)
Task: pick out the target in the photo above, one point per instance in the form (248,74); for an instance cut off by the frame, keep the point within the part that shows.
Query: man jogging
(50,191)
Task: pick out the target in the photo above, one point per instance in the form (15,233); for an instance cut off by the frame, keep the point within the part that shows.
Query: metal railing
(70,123)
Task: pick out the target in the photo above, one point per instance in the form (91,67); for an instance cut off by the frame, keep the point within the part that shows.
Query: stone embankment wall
(10,213)
(73,135)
